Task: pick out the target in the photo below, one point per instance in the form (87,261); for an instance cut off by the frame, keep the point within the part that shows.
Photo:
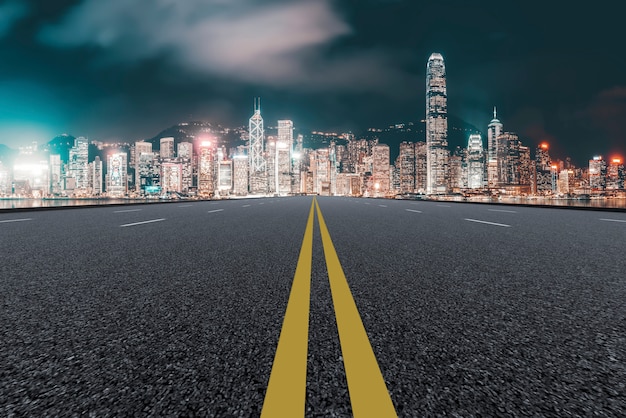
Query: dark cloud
(11,11)
(277,44)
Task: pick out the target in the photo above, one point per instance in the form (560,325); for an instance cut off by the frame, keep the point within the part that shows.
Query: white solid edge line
(16,220)
(126,210)
(143,222)
(383,206)
(245,206)
(613,220)
(501,210)
(488,223)
(185,206)
(413,210)
(216,210)
(444,206)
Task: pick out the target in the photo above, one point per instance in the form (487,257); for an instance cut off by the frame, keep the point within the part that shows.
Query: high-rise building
(285,132)
(615,174)
(185,150)
(475,162)
(457,176)
(166,149)
(494,130)
(320,168)
(77,165)
(597,173)
(436,126)
(141,150)
(513,162)
(206,175)
(117,178)
(240,175)
(380,170)
(406,165)
(96,177)
(257,165)
(421,166)
(542,171)
(225,177)
(56,179)
(565,183)
(171,177)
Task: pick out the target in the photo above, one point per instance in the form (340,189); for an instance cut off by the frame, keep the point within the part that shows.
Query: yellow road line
(286,390)
(368,393)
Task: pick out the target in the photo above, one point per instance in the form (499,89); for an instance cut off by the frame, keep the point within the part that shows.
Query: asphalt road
(176,309)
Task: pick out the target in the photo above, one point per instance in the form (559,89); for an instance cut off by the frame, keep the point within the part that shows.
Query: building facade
(436,126)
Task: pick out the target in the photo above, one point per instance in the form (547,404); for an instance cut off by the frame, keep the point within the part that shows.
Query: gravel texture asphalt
(181,316)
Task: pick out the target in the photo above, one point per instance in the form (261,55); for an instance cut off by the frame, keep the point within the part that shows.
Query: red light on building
(543,145)
(616,160)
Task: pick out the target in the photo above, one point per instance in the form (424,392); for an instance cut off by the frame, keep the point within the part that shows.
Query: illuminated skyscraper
(96,177)
(285,149)
(494,131)
(597,173)
(436,126)
(77,164)
(240,175)
(141,151)
(380,169)
(225,177)
(257,166)
(542,171)
(167,147)
(117,179)
(421,166)
(56,180)
(615,174)
(406,164)
(185,150)
(171,177)
(475,162)
(206,163)
(320,169)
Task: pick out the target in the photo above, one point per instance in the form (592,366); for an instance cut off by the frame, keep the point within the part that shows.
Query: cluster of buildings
(281,165)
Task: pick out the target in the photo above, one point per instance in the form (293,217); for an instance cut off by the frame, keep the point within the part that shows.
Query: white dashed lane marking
(488,223)
(143,222)
(15,220)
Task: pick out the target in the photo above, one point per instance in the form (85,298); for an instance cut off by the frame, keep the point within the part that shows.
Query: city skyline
(338,73)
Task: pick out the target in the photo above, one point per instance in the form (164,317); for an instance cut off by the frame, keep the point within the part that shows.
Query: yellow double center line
(286,391)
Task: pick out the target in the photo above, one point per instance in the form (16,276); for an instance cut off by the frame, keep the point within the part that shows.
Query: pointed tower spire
(494,113)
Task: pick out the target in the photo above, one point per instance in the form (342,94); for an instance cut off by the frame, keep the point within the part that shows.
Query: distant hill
(458,133)
(190,131)
(61,145)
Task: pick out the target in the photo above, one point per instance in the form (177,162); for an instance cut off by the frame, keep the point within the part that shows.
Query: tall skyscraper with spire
(258,177)
(436,126)
(494,131)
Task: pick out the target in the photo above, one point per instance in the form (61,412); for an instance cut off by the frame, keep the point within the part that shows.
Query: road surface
(177,309)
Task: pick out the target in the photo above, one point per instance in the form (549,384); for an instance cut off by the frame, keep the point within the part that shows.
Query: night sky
(122,69)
